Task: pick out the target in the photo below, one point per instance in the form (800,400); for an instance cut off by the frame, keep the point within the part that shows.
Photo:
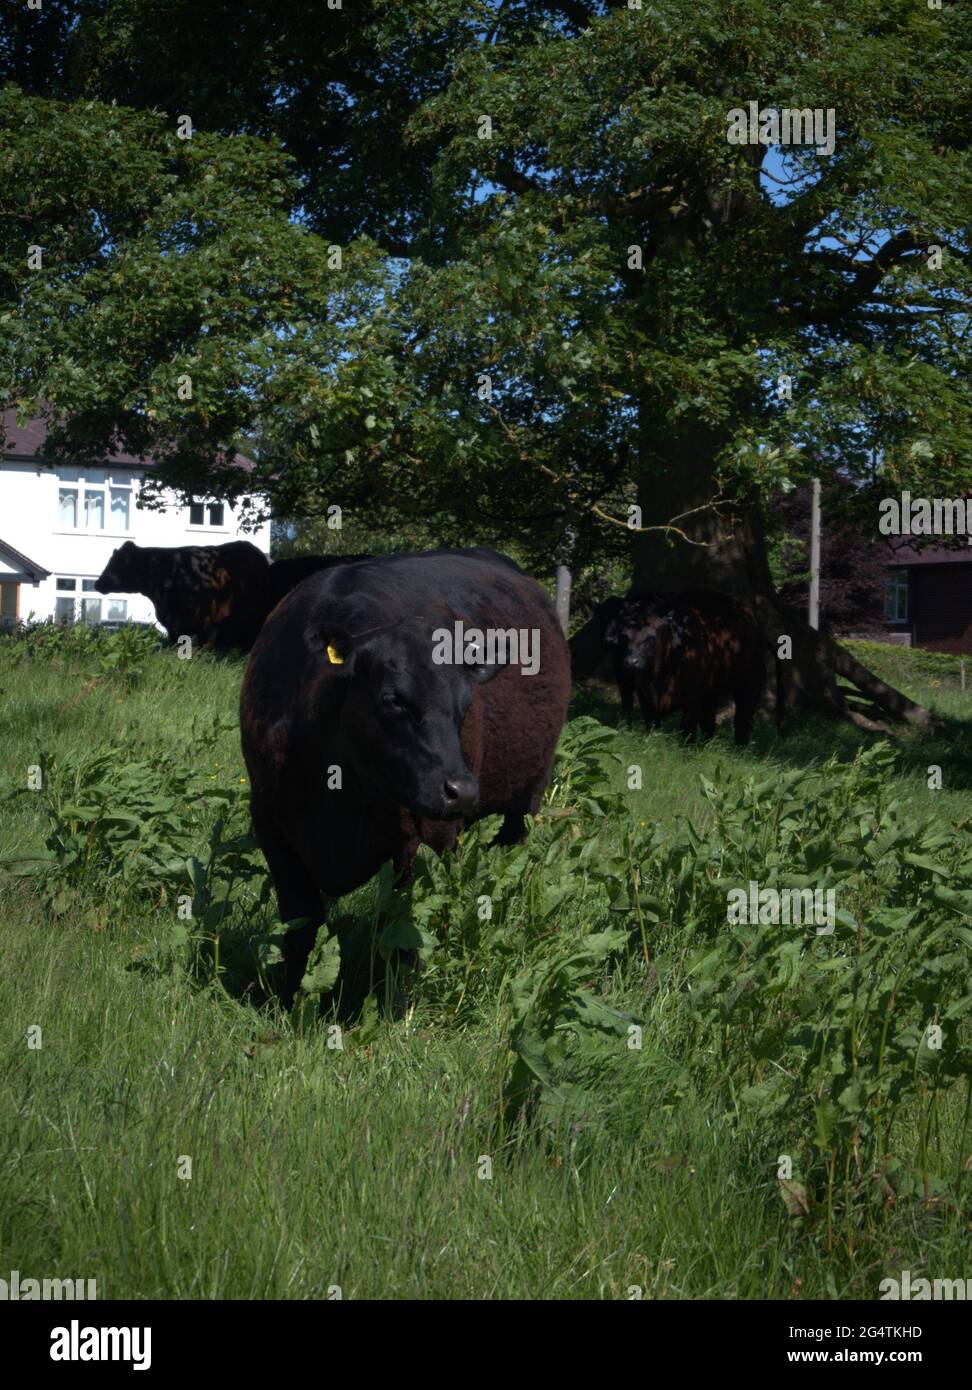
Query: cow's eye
(396,703)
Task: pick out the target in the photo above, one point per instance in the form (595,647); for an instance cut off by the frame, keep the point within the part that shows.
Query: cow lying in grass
(363,742)
(690,652)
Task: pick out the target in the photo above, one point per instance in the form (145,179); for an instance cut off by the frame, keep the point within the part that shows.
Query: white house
(60,524)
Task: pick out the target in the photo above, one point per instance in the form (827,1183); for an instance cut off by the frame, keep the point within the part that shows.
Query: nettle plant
(841,1046)
(120,653)
(515,925)
(124,829)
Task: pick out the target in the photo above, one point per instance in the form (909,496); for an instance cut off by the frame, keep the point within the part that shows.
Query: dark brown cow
(364,738)
(690,652)
(216,594)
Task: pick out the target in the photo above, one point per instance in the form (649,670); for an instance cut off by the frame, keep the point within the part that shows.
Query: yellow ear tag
(332,655)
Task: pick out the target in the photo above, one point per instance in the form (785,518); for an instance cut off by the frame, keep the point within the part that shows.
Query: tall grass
(491,1133)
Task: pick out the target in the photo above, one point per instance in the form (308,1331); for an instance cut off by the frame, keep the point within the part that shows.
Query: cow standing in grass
(690,652)
(362,743)
(215,594)
(284,575)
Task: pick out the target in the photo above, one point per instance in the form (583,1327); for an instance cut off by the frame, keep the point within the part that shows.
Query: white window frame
(207,504)
(896,589)
(82,593)
(86,485)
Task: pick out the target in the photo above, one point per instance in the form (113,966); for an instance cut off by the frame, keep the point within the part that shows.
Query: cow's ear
(332,644)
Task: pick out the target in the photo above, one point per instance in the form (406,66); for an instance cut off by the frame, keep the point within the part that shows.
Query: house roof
(904,556)
(26,444)
(28,566)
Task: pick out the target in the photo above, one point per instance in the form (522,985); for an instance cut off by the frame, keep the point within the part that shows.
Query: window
(64,600)
(88,501)
(120,503)
(896,597)
(9,605)
(206,513)
(94,509)
(67,508)
(69,608)
(117,610)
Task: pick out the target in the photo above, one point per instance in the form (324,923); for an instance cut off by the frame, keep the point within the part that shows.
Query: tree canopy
(495,262)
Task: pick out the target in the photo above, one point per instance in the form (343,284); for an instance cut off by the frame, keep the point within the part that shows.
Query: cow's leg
(625,688)
(707,715)
(297,896)
(649,708)
(690,721)
(513,829)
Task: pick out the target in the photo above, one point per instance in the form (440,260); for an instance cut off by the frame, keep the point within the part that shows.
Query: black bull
(361,744)
(690,652)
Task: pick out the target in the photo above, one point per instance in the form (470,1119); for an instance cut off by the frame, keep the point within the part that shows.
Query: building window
(120,508)
(73,604)
(64,601)
(896,597)
(86,498)
(94,509)
(67,508)
(206,513)
(8,604)
(117,610)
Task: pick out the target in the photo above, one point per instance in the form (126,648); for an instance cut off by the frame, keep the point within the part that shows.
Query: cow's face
(402,717)
(644,635)
(121,574)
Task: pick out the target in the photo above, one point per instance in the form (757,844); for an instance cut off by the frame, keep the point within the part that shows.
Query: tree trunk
(722,548)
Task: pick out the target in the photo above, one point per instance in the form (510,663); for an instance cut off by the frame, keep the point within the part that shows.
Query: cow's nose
(459,794)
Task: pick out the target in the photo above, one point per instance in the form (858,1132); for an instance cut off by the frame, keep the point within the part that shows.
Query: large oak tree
(563,292)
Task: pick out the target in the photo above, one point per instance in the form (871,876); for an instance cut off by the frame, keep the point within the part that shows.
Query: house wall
(32,519)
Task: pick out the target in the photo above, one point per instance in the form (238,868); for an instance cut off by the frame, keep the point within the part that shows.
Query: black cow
(690,652)
(363,740)
(215,594)
(285,575)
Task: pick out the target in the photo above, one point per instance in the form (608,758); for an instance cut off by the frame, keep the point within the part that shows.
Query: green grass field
(174,1135)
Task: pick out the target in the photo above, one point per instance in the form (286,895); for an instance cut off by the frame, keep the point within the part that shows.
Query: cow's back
(284,575)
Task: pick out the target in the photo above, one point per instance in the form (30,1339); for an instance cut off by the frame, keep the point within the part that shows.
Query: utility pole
(813,614)
(562,600)
(565,561)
